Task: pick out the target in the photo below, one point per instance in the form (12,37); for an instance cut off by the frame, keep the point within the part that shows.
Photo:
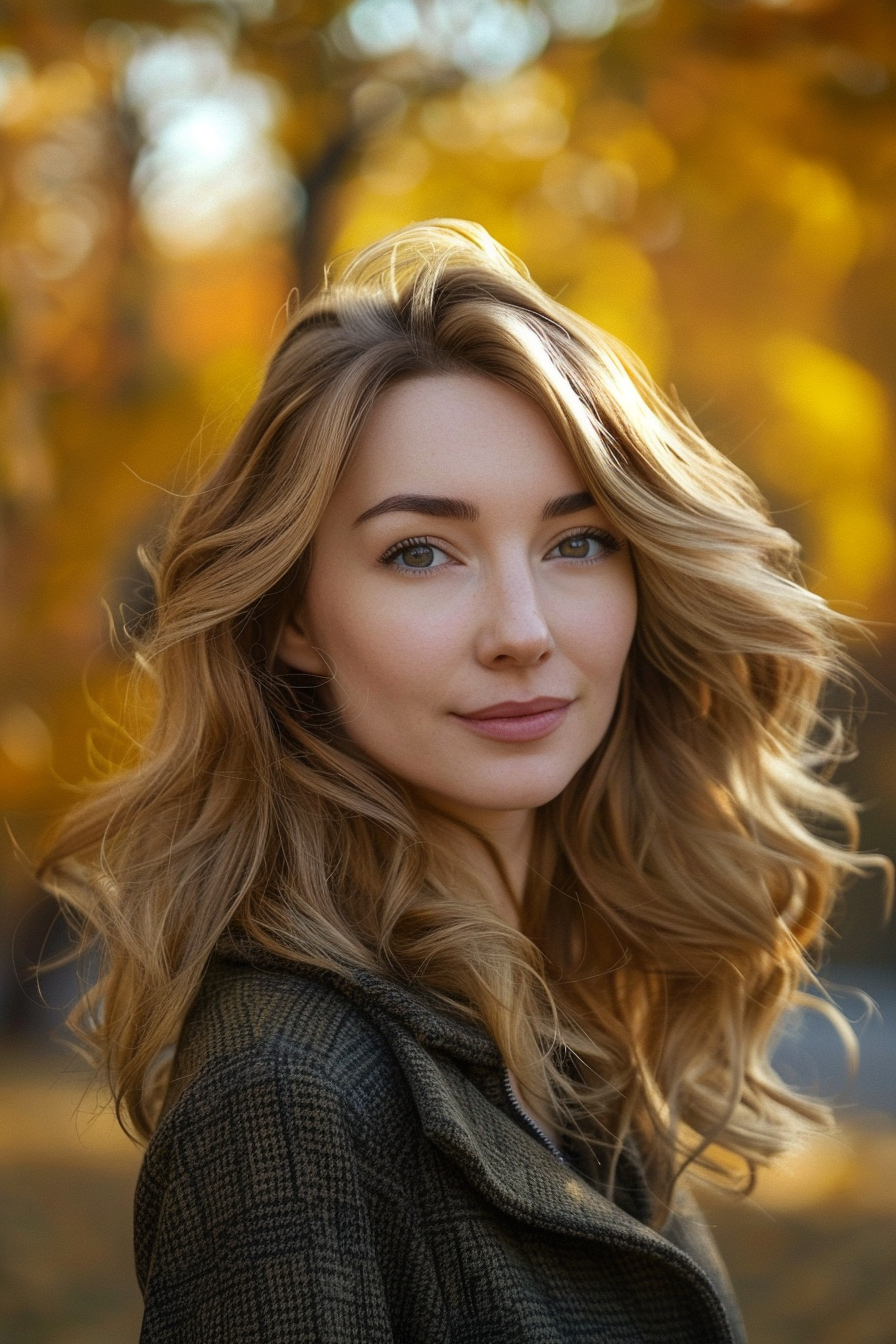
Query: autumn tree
(713,181)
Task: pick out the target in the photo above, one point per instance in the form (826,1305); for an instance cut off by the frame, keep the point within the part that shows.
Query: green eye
(417,557)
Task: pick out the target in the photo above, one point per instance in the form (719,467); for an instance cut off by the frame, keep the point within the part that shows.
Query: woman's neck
(509,837)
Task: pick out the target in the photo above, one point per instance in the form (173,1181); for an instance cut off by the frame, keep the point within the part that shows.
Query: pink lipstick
(517,720)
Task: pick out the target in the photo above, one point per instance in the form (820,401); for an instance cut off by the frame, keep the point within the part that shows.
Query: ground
(812,1253)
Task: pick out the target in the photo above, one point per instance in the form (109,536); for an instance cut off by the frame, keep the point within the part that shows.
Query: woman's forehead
(458,435)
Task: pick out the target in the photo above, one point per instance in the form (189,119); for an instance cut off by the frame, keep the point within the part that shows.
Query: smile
(517,721)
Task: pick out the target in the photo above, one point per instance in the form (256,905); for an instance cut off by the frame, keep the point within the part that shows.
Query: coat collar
(428,1020)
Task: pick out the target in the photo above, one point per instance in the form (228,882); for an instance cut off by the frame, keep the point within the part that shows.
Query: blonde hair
(680,884)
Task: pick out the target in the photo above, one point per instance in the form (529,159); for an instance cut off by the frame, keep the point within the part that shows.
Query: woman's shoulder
(285,1103)
(282,1007)
(288,1024)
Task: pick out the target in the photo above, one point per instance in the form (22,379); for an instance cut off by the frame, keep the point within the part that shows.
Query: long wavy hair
(680,884)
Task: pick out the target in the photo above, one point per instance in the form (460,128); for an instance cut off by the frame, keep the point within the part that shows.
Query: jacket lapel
(519,1176)
(510,1167)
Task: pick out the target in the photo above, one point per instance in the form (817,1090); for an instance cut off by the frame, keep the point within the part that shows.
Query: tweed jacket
(339,1161)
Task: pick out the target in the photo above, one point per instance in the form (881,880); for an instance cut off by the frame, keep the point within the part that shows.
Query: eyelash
(607,540)
(408,544)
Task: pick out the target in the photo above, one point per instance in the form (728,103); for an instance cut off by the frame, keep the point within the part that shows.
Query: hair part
(681,884)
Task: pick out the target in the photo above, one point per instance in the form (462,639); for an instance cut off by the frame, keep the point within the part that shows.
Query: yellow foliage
(62,89)
(828,231)
(855,548)
(833,426)
(24,737)
(227,384)
(220,302)
(618,290)
(712,184)
(521,117)
(641,147)
(394,164)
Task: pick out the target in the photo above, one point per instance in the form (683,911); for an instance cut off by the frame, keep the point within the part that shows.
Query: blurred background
(714,181)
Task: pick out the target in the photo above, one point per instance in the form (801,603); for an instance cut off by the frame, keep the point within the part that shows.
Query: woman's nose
(514,627)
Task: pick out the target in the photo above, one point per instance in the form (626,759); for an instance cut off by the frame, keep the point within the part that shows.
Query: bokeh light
(208,171)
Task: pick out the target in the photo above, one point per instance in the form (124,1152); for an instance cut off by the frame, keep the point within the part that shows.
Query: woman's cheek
(381,652)
(418,636)
(597,637)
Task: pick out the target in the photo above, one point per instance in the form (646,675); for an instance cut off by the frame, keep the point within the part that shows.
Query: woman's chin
(523,798)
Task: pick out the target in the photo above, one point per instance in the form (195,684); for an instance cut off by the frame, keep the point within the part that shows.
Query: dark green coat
(339,1162)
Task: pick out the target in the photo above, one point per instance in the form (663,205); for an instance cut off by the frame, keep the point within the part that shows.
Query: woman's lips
(516,720)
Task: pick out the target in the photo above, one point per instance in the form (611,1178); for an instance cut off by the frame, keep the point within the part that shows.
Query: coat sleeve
(252,1220)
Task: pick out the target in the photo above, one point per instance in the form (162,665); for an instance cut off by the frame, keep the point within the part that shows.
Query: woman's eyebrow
(558,508)
(434,506)
(440,506)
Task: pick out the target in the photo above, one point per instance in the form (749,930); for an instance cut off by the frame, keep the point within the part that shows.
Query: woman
(466,857)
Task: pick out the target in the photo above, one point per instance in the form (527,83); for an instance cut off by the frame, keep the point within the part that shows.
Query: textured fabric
(338,1162)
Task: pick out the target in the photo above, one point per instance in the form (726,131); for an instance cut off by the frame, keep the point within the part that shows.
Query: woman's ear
(297,651)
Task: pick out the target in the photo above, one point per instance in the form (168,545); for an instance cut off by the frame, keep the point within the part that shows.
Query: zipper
(527,1119)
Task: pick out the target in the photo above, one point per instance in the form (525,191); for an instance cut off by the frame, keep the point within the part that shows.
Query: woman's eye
(416,555)
(584,546)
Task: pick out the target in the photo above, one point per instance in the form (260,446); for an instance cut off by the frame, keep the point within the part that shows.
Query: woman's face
(468,599)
